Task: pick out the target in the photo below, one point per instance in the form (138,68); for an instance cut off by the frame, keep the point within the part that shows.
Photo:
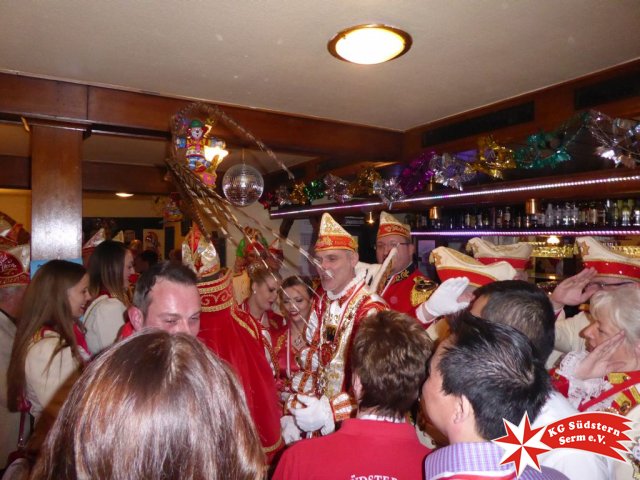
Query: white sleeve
(49,382)
(103,322)
(568,330)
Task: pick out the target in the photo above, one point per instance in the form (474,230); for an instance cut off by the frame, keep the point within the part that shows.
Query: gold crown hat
(333,237)
(517,254)
(607,262)
(390,225)
(450,264)
(199,254)
(14,266)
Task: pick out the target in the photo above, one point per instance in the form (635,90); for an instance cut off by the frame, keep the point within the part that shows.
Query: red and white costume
(325,362)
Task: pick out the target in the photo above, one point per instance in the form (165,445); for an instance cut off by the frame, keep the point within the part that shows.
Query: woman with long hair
(264,286)
(154,406)
(296,299)
(49,350)
(110,267)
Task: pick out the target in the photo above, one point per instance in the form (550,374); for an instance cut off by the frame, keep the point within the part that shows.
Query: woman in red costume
(235,337)
(264,292)
(297,306)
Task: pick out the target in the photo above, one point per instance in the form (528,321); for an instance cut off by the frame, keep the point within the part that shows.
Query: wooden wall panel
(553,106)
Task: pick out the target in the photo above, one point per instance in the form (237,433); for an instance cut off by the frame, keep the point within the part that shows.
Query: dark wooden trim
(112,177)
(37,97)
(16,172)
(96,177)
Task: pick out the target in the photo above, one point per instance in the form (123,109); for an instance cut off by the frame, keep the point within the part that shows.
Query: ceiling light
(124,194)
(369,44)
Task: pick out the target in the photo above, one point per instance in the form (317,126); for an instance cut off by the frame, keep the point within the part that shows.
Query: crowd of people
(137,368)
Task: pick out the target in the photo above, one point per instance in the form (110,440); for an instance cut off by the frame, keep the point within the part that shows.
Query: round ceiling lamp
(369,44)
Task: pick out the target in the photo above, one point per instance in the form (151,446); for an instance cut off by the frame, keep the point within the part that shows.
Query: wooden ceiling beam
(96,177)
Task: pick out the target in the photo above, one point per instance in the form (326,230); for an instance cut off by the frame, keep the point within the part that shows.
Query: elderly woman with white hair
(606,377)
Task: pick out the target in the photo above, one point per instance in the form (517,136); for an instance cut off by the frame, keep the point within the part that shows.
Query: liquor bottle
(479,220)
(592,217)
(499,218)
(549,216)
(602,214)
(584,214)
(557,210)
(566,215)
(625,215)
(507,221)
(614,213)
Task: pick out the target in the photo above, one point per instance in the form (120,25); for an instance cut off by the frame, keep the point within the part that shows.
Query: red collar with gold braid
(624,394)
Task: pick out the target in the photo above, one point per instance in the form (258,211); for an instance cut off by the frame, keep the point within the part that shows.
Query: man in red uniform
(321,391)
(406,287)
(389,364)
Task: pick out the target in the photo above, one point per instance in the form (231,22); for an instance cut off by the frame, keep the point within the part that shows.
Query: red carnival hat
(199,254)
(516,254)
(333,237)
(450,264)
(14,266)
(607,262)
(389,225)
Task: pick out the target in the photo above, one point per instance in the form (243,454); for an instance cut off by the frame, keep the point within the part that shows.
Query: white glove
(317,415)
(445,299)
(290,431)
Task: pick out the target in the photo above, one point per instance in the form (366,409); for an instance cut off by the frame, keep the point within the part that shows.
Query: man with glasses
(406,289)
(604,270)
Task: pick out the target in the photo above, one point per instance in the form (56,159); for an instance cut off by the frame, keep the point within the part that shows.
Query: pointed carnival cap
(517,254)
(333,237)
(607,262)
(450,264)
(119,237)
(275,247)
(88,248)
(199,254)
(14,266)
(389,225)
(252,239)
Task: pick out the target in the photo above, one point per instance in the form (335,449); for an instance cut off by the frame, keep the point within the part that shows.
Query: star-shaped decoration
(522,444)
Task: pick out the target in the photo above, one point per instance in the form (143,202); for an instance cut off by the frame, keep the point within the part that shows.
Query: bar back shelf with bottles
(570,218)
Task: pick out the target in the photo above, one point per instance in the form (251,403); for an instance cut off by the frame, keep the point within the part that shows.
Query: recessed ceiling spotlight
(369,44)
(124,194)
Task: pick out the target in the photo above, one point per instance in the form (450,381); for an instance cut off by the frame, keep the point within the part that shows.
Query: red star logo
(522,444)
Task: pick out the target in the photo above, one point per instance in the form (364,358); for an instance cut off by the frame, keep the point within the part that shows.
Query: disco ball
(242,185)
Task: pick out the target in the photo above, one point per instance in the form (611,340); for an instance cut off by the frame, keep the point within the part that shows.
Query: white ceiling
(272,54)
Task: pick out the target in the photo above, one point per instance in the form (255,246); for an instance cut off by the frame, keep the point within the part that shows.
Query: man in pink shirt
(388,361)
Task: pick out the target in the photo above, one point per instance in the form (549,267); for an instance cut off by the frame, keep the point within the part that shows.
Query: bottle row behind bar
(595,213)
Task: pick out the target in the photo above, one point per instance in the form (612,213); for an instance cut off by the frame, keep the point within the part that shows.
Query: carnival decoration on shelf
(493,159)
(388,190)
(416,175)
(619,138)
(337,189)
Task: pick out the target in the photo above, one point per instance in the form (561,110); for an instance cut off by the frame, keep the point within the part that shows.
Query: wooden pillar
(56,191)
